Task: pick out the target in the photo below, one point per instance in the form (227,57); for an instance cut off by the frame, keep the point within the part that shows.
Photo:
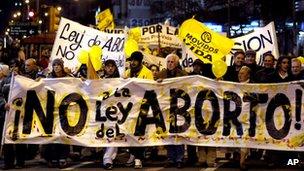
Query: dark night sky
(5,6)
(271,10)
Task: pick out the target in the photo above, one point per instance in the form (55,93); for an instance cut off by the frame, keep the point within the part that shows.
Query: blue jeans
(175,153)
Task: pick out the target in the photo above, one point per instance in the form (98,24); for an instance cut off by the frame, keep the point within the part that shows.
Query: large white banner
(73,37)
(151,59)
(261,40)
(133,112)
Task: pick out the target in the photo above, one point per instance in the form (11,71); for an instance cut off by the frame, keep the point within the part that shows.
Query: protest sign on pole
(73,37)
(261,40)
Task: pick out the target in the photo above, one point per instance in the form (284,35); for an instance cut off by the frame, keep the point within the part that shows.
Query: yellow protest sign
(135,33)
(206,44)
(105,20)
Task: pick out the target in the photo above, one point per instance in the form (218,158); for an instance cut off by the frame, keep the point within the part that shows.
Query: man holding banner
(175,152)
(137,70)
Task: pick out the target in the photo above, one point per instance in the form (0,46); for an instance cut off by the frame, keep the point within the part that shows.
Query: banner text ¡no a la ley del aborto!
(132,112)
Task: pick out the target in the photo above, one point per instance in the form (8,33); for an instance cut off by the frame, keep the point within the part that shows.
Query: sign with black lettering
(73,37)
(160,35)
(261,40)
(204,43)
(134,112)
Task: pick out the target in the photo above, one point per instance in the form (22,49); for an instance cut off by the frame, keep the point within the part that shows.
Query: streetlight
(59,8)
(27,8)
(31,14)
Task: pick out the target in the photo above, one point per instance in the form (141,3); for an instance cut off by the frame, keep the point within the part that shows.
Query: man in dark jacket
(175,152)
(262,75)
(31,69)
(238,62)
(11,152)
(250,61)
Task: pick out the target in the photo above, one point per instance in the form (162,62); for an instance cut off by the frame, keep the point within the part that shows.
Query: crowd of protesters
(244,70)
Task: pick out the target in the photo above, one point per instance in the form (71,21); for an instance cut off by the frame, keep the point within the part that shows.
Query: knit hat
(58,61)
(137,56)
(4,69)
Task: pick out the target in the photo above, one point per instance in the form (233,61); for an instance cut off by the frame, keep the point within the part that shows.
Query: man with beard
(233,70)
(137,70)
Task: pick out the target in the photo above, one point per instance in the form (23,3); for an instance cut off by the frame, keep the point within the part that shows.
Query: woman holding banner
(56,154)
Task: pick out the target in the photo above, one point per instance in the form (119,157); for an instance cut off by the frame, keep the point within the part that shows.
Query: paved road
(223,165)
(157,164)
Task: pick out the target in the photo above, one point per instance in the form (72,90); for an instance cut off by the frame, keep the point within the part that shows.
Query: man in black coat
(233,70)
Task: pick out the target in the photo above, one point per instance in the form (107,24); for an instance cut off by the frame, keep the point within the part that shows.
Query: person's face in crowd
(268,62)
(250,59)
(171,63)
(57,68)
(243,75)
(295,68)
(134,64)
(110,69)
(284,65)
(29,66)
(154,70)
(239,59)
